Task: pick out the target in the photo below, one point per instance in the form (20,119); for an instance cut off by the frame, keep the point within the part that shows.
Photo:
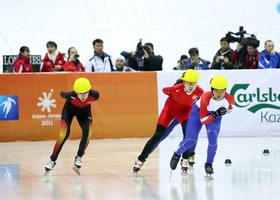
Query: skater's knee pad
(212,138)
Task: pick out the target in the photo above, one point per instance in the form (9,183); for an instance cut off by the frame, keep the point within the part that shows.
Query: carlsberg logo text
(259,99)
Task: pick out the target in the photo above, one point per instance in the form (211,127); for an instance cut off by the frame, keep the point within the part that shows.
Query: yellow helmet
(219,82)
(190,75)
(81,85)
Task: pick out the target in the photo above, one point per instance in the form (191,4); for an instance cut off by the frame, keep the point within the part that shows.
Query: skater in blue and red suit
(208,111)
(178,105)
(78,103)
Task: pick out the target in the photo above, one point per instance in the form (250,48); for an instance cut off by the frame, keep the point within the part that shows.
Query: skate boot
(174,161)
(184,165)
(208,169)
(138,164)
(77,164)
(191,161)
(50,166)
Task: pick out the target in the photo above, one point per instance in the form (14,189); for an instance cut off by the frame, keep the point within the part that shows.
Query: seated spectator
(195,62)
(100,61)
(222,59)
(53,60)
(121,64)
(181,63)
(73,64)
(22,64)
(269,58)
(249,59)
(144,58)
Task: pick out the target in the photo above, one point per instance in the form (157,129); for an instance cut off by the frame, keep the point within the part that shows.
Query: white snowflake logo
(47,102)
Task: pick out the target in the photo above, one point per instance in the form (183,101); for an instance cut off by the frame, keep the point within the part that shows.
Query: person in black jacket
(144,59)
(222,59)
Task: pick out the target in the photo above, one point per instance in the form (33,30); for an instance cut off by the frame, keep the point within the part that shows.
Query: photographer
(251,57)
(73,64)
(144,59)
(222,59)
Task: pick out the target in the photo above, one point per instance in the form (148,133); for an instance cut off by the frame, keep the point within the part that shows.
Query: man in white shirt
(100,61)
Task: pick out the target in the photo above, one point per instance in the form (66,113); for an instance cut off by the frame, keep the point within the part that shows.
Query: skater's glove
(221,111)
(63,94)
(66,96)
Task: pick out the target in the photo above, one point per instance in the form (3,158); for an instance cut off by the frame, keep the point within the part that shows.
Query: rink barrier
(130,103)
(127,106)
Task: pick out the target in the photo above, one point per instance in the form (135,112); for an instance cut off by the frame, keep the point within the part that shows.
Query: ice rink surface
(107,171)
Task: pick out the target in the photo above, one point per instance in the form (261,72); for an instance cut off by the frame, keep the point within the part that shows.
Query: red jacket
(73,67)
(48,65)
(251,62)
(22,64)
(178,104)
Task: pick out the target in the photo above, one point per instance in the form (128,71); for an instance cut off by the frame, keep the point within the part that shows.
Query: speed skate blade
(208,177)
(76,170)
(170,175)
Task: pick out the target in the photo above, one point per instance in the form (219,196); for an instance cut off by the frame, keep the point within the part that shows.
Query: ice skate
(174,161)
(77,164)
(137,166)
(191,161)
(209,170)
(184,165)
(50,166)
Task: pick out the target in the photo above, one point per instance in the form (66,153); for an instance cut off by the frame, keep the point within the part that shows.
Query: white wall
(173,26)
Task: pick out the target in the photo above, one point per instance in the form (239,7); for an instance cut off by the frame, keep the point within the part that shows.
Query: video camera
(244,41)
(240,38)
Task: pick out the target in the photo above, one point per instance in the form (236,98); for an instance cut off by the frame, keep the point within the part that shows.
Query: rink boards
(129,104)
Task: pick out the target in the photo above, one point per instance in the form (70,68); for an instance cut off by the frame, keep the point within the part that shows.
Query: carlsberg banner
(256,110)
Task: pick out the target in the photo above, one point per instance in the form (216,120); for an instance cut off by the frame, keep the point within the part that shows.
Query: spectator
(22,64)
(269,58)
(251,57)
(121,64)
(100,61)
(222,59)
(181,63)
(73,64)
(53,60)
(144,58)
(195,62)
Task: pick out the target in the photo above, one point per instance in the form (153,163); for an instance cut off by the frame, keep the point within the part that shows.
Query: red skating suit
(178,104)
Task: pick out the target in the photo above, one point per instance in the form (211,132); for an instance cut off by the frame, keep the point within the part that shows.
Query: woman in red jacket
(22,64)
(73,64)
(178,105)
(53,60)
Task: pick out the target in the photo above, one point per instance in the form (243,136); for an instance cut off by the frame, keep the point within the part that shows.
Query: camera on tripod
(244,41)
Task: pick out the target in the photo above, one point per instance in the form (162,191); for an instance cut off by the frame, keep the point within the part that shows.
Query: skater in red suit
(208,111)
(78,103)
(178,105)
